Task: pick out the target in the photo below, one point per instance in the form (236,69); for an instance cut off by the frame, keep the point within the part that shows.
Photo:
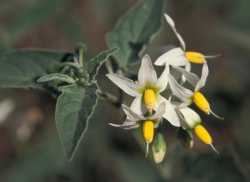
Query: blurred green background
(29,146)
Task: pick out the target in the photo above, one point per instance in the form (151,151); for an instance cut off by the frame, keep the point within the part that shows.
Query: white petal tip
(159,63)
(146,56)
(114,125)
(169,20)
(108,75)
(176,124)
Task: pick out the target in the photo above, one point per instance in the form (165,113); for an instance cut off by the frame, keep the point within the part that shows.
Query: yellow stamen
(148,131)
(203,134)
(149,98)
(195,57)
(201,102)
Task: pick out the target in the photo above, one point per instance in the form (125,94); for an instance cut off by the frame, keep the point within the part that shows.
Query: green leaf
(74,108)
(94,64)
(159,148)
(56,77)
(134,30)
(22,68)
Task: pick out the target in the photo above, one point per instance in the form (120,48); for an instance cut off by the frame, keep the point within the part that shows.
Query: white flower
(192,120)
(148,124)
(134,120)
(188,96)
(179,56)
(146,90)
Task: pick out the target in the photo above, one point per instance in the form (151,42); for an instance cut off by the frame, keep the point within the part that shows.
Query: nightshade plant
(72,79)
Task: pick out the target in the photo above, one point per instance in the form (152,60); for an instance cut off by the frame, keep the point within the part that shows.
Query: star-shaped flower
(146,90)
(192,120)
(148,123)
(179,56)
(192,96)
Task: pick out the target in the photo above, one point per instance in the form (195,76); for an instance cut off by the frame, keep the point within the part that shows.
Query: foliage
(134,31)
(97,152)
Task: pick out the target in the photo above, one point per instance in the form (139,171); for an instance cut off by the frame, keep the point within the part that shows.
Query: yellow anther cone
(201,102)
(195,57)
(149,98)
(203,134)
(148,131)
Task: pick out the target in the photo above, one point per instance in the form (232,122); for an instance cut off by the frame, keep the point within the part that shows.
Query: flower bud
(159,148)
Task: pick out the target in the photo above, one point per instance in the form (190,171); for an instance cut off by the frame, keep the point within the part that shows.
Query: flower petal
(147,72)
(188,69)
(124,83)
(191,118)
(127,124)
(204,74)
(192,78)
(131,115)
(159,111)
(136,106)
(170,112)
(188,66)
(132,127)
(182,93)
(162,82)
(174,57)
(171,23)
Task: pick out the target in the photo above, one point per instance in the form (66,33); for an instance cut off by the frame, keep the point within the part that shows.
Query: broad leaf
(74,108)
(95,63)
(134,30)
(21,69)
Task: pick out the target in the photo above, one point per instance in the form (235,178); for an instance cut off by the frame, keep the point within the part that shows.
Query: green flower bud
(159,148)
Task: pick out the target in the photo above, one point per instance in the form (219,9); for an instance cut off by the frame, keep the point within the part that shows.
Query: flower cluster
(149,108)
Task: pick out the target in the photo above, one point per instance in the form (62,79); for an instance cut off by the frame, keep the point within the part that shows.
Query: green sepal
(159,148)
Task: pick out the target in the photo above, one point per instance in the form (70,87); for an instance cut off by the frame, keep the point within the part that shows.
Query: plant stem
(110,97)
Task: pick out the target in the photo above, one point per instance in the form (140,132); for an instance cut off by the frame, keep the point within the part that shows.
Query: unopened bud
(159,148)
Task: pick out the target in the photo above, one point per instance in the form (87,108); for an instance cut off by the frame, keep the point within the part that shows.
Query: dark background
(29,146)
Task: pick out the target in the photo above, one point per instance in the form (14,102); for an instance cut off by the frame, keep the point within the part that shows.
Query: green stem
(81,55)
(110,97)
